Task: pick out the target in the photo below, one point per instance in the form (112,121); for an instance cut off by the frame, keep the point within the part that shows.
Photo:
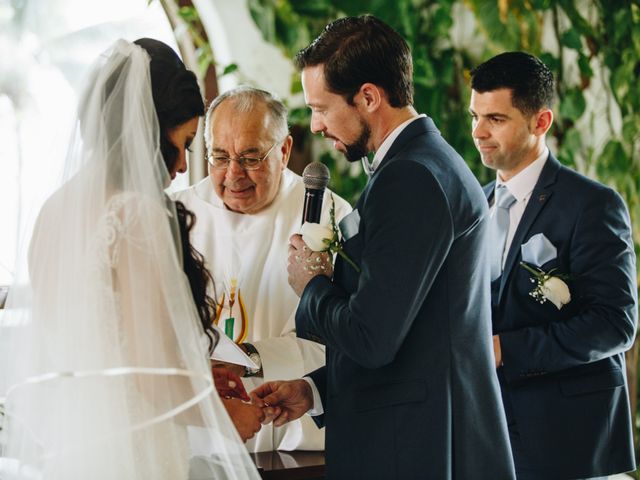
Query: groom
(560,356)
(409,390)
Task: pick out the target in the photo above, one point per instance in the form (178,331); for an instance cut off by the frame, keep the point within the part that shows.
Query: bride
(106,367)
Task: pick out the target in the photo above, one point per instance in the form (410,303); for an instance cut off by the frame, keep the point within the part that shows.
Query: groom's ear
(370,97)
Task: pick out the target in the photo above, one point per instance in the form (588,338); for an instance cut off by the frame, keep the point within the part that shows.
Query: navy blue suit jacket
(563,379)
(410,389)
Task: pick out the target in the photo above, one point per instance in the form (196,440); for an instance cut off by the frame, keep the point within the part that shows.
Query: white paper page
(227,351)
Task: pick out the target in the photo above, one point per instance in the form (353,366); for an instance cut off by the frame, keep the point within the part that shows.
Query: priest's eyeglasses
(222,162)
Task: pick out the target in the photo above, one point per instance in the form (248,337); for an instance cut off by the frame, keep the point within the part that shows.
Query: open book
(227,351)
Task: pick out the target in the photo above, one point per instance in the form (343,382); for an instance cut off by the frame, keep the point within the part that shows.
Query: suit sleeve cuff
(316,409)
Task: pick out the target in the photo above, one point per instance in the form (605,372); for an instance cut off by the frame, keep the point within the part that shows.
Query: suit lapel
(539,198)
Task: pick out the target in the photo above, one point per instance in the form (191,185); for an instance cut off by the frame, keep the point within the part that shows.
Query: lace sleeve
(123,227)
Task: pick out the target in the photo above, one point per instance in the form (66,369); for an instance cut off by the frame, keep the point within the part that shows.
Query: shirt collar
(522,184)
(384,147)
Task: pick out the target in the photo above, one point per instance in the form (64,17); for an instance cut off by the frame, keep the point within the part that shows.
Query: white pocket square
(350,224)
(538,250)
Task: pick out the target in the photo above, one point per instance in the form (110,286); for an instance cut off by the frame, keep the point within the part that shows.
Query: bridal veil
(103,368)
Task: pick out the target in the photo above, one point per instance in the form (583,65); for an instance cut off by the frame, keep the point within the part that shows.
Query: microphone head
(316,176)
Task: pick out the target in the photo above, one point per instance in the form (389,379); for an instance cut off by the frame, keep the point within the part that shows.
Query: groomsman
(564,293)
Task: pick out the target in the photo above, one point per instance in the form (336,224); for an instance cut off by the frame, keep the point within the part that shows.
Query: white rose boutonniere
(549,286)
(321,238)
(317,237)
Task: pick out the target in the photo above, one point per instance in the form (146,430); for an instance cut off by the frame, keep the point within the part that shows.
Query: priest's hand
(283,400)
(246,417)
(228,384)
(304,264)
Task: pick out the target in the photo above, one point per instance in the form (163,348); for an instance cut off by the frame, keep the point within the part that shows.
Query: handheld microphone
(315,178)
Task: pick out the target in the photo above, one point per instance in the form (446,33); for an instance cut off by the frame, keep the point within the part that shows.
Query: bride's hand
(246,417)
(228,384)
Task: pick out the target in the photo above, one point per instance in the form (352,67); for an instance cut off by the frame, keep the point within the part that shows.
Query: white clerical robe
(247,256)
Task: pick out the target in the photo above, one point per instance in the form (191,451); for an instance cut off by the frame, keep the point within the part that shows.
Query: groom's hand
(283,400)
(304,264)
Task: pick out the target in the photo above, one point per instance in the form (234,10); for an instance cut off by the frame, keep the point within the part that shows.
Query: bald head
(245,99)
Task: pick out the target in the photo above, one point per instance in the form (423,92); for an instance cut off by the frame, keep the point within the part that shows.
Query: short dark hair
(530,80)
(358,50)
(176,95)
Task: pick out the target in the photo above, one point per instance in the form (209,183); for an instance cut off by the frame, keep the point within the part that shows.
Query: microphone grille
(316,176)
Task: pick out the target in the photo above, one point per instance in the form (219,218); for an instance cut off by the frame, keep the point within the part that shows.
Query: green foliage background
(589,36)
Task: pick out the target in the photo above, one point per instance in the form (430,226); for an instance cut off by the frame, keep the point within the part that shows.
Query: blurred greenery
(585,42)
(204,54)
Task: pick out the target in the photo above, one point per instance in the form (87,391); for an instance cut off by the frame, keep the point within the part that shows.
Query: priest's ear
(285,151)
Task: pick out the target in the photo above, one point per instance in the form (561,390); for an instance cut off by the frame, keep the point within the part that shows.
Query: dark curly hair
(198,275)
(177,99)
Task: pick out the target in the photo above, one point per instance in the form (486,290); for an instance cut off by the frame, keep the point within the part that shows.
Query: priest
(246,210)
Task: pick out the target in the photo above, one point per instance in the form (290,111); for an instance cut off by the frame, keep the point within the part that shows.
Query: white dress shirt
(520,186)
(370,167)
